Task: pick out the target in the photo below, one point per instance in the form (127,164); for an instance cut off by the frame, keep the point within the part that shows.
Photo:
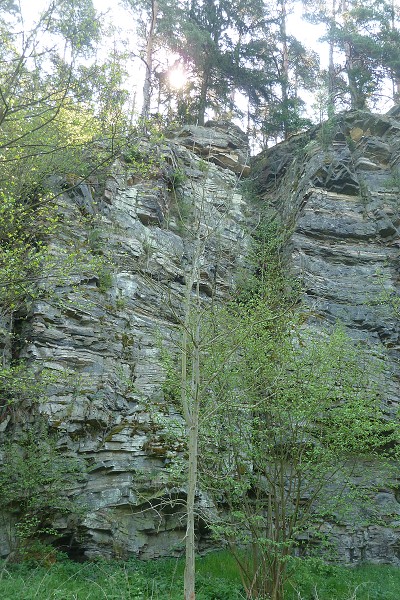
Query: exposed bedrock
(339,199)
(104,332)
(338,193)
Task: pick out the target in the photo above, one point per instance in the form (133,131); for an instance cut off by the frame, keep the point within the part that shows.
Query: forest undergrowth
(218,579)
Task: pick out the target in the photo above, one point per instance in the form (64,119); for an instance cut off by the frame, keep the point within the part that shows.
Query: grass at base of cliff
(217,579)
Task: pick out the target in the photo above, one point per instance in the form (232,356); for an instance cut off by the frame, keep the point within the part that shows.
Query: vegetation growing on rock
(126,249)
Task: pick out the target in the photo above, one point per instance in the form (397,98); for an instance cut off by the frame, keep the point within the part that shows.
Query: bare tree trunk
(190,399)
(203,94)
(190,567)
(193,329)
(395,77)
(285,68)
(149,62)
(331,67)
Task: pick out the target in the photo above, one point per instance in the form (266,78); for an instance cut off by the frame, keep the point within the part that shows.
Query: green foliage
(386,296)
(366,36)
(48,133)
(278,459)
(327,132)
(393,183)
(30,268)
(285,119)
(285,415)
(315,579)
(219,579)
(21,386)
(146,160)
(268,278)
(24,257)
(33,148)
(136,580)
(77,22)
(203,165)
(133,156)
(175,178)
(171,383)
(95,240)
(183,212)
(105,277)
(34,482)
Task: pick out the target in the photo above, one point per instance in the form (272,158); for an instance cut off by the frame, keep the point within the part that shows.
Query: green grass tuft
(217,579)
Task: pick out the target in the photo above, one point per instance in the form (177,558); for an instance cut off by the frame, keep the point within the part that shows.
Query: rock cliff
(103,334)
(336,189)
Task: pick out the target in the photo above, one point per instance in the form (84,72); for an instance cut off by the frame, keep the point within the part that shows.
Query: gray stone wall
(338,195)
(102,333)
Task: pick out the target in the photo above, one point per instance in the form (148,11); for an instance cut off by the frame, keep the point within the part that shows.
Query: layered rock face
(104,333)
(338,193)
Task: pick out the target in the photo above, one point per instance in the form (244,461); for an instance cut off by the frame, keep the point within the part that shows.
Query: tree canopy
(247,60)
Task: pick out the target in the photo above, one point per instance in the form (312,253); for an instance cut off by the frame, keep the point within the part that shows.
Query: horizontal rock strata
(104,331)
(339,198)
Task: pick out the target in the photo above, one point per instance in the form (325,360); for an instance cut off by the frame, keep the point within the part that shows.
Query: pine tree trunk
(395,78)
(149,63)
(203,95)
(331,67)
(285,69)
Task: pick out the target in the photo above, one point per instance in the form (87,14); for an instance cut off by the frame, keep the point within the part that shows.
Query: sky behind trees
(115,14)
(261,64)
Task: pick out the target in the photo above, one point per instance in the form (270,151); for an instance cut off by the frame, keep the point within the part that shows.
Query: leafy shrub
(327,132)
(133,155)
(34,482)
(105,277)
(175,178)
